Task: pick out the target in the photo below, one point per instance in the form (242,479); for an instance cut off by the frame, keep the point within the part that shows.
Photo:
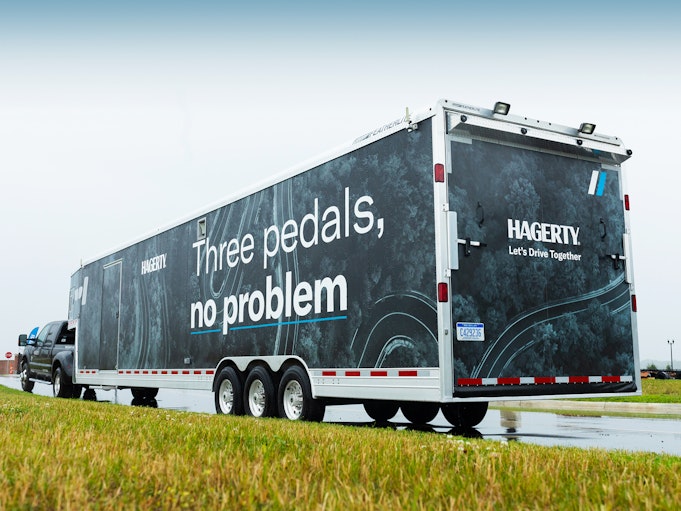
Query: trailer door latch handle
(468,243)
(616,258)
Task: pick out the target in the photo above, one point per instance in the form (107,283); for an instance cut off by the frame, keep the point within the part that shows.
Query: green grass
(654,391)
(74,455)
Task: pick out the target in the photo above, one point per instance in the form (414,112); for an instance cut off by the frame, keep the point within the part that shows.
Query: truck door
(541,292)
(43,348)
(111,306)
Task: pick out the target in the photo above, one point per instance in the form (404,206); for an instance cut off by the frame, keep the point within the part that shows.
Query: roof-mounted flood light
(501,108)
(587,128)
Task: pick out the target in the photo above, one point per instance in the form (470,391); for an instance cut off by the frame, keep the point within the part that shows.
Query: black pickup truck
(49,358)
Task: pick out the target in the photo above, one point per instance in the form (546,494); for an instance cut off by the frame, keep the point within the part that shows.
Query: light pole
(671,352)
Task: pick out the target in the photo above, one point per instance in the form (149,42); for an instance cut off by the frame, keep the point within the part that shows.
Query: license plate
(470,331)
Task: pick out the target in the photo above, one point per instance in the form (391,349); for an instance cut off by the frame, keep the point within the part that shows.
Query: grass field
(74,455)
(655,391)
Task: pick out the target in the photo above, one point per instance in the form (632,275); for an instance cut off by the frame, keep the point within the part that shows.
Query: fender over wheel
(259,394)
(295,397)
(229,393)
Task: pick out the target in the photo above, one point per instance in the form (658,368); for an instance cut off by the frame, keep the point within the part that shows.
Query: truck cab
(49,358)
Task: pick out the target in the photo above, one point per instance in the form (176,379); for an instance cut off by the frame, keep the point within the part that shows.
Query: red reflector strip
(634,305)
(408,373)
(540,380)
(371,373)
(439,173)
(442,292)
(508,381)
(150,372)
(469,381)
(626,202)
(545,380)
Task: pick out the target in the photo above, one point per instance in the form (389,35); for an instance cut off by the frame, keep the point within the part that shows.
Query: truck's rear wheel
(464,415)
(420,413)
(259,395)
(229,393)
(381,411)
(61,387)
(295,397)
(26,383)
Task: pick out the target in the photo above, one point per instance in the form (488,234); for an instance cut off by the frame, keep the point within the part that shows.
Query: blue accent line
(601,183)
(205,332)
(299,322)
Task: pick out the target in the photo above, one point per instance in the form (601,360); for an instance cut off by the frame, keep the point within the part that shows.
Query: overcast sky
(117,119)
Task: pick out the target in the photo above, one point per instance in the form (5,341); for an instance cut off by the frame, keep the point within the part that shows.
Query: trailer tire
(465,415)
(144,392)
(381,411)
(420,413)
(61,387)
(295,397)
(259,395)
(26,383)
(229,393)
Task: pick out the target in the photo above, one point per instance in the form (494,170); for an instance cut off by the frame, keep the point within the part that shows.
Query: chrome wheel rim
(226,393)
(256,398)
(293,400)
(56,387)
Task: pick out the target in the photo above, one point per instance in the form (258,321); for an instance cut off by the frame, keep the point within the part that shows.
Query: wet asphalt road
(639,434)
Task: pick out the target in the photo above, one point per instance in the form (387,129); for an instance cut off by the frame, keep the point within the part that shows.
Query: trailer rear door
(541,297)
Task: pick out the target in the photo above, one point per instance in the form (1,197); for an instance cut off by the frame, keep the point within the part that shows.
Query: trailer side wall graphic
(444,260)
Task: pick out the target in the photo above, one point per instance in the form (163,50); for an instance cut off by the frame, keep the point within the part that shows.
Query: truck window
(52,335)
(67,337)
(40,340)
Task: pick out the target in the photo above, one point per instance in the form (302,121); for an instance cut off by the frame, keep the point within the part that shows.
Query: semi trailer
(453,257)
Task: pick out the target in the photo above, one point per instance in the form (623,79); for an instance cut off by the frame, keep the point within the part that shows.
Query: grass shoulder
(653,391)
(76,454)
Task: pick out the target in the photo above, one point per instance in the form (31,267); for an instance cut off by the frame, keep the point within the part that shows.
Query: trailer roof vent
(501,108)
(201,229)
